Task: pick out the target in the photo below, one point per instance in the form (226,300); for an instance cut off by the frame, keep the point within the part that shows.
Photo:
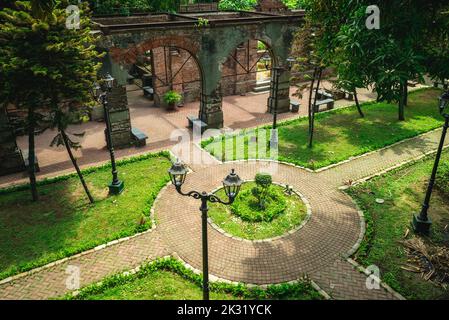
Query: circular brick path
(331,232)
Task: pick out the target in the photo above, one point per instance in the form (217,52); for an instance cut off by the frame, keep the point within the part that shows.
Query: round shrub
(263,180)
(247,206)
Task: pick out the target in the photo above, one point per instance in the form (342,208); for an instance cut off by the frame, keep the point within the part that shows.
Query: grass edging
(322,115)
(359,255)
(85,171)
(171,264)
(88,247)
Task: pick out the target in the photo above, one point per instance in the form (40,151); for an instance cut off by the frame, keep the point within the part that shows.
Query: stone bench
(294,105)
(321,95)
(194,120)
(328,102)
(148,92)
(139,137)
(25,155)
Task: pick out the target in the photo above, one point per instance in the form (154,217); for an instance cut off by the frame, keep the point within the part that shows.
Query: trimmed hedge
(301,290)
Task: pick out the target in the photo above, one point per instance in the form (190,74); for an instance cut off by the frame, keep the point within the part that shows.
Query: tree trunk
(75,164)
(356,99)
(401,104)
(405,93)
(31,153)
(310,98)
(312,120)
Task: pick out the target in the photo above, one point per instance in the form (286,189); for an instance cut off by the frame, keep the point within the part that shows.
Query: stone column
(120,118)
(283,93)
(11,159)
(211,109)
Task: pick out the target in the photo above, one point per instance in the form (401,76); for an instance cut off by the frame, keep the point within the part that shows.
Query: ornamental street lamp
(277,75)
(421,223)
(116,186)
(231,186)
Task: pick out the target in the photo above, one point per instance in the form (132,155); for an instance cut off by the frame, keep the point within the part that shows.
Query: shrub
(172,97)
(442,181)
(263,183)
(249,209)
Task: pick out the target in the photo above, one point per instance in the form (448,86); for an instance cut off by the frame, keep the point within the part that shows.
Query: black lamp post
(421,223)
(116,186)
(277,75)
(231,185)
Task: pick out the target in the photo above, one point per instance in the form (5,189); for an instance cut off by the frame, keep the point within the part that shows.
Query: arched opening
(247,69)
(162,69)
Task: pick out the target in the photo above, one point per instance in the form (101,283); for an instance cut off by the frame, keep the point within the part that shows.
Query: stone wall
(11,159)
(119,117)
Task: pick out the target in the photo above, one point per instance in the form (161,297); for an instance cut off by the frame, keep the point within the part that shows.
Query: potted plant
(172,98)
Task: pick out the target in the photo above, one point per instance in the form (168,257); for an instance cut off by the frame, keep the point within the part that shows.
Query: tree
(45,64)
(234,5)
(385,58)
(436,48)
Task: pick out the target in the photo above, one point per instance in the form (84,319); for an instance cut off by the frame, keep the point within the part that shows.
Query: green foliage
(202,22)
(234,5)
(64,223)
(261,190)
(385,58)
(403,190)
(341,133)
(124,7)
(442,181)
(259,204)
(263,180)
(301,290)
(172,97)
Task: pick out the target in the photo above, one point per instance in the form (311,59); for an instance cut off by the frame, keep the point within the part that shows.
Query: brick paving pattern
(318,249)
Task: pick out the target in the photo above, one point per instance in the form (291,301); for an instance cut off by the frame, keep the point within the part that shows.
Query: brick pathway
(319,249)
(239,112)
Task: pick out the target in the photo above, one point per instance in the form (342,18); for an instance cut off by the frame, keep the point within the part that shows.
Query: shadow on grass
(63,222)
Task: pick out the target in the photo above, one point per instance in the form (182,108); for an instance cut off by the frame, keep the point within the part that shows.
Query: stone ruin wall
(234,81)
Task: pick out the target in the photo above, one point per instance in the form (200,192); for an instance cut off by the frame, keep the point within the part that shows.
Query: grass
(63,223)
(403,191)
(339,134)
(292,217)
(169,279)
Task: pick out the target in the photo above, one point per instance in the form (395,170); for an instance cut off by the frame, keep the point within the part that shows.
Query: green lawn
(160,285)
(341,134)
(63,222)
(403,191)
(169,279)
(292,217)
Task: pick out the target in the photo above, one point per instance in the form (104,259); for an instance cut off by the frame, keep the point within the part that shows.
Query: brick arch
(129,55)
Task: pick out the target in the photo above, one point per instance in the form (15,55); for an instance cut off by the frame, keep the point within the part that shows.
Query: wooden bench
(328,102)
(294,105)
(139,137)
(193,120)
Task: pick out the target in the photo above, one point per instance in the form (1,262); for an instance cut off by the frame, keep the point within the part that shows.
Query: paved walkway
(239,112)
(319,249)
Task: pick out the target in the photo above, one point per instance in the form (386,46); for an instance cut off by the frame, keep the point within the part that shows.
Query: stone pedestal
(282,94)
(120,118)
(11,159)
(211,110)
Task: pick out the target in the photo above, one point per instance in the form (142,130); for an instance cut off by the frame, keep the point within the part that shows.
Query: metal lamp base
(421,226)
(116,188)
